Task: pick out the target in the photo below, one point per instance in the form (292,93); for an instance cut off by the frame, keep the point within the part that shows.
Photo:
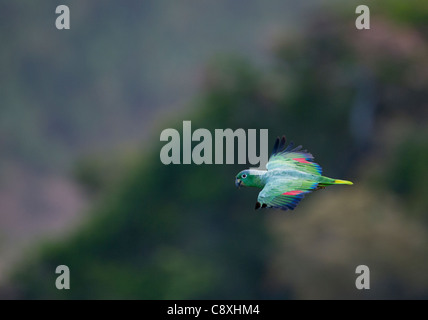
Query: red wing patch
(301,160)
(293,193)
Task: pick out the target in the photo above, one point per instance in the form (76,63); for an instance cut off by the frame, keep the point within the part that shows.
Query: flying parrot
(291,173)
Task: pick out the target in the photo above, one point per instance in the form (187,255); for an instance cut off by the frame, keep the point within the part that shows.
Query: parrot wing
(284,193)
(286,157)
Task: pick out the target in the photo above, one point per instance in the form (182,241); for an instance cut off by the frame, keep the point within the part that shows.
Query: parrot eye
(244,176)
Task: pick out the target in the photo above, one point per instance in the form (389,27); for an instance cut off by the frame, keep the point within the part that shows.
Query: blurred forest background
(81,182)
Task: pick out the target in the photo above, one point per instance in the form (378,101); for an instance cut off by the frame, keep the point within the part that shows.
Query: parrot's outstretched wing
(286,157)
(284,193)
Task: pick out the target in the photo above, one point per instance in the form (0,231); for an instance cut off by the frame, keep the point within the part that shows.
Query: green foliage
(168,232)
(412,12)
(407,175)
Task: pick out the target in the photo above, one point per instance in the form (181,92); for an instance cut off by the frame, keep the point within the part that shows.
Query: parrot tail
(325,181)
(337,181)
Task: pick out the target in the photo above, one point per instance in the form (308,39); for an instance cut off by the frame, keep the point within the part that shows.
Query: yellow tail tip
(337,181)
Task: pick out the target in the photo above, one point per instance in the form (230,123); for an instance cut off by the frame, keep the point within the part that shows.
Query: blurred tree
(185,232)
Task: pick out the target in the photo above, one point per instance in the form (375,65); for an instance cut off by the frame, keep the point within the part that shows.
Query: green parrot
(291,173)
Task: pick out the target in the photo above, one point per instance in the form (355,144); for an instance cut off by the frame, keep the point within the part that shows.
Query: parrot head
(243,179)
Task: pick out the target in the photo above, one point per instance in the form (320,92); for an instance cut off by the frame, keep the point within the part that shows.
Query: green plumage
(291,173)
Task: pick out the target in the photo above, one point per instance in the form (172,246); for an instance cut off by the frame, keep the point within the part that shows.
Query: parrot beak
(238,183)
